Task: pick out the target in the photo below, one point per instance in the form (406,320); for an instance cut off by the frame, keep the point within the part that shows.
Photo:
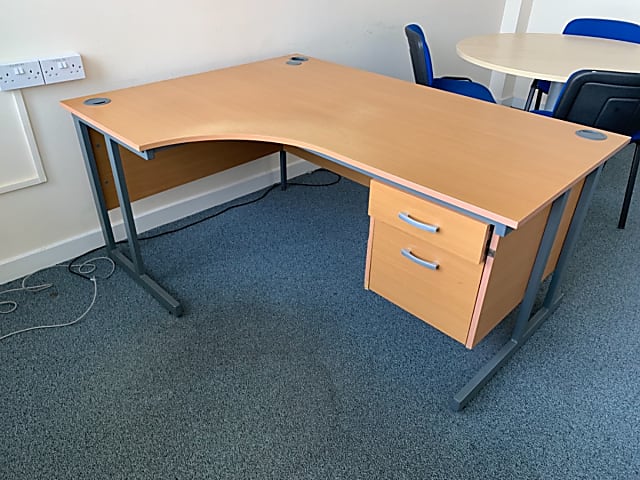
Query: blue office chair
(423,70)
(608,101)
(588,27)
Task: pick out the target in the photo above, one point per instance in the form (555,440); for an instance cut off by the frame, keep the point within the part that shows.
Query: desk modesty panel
(483,158)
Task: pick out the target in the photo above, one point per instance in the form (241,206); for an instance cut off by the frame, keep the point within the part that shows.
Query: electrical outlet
(62,69)
(20,75)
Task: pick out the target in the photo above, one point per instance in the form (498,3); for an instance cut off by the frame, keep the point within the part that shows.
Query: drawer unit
(444,228)
(468,293)
(402,268)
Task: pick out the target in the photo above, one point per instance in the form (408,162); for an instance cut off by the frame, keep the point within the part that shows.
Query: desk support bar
(133,265)
(526,323)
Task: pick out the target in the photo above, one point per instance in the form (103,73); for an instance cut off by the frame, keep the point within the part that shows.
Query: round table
(548,56)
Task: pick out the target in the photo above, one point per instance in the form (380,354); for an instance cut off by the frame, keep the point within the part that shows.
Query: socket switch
(20,75)
(62,69)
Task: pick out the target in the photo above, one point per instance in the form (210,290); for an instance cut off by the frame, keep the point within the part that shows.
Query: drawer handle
(423,263)
(422,226)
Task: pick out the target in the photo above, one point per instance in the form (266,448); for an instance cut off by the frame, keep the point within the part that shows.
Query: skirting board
(31,262)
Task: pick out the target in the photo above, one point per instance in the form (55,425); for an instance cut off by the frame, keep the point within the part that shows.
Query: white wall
(552,16)
(125,42)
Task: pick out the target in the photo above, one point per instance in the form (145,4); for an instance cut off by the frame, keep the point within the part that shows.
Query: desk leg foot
(133,263)
(526,325)
(480,379)
(133,266)
(489,369)
(149,284)
(526,321)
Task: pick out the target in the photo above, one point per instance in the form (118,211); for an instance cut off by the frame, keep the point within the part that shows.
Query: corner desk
(470,210)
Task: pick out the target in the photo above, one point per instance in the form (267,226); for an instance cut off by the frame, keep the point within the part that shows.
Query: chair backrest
(604,28)
(420,55)
(605,100)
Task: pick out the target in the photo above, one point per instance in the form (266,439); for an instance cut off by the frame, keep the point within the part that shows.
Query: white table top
(548,56)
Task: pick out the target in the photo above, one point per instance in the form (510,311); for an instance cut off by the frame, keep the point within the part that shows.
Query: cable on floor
(88,267)
(85,269)
(248,202)
(224,210)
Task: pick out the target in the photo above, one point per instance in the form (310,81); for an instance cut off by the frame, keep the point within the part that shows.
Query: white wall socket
(20,75)
(62,69)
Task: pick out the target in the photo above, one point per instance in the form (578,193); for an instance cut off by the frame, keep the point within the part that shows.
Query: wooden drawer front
(455,233)
(444,297)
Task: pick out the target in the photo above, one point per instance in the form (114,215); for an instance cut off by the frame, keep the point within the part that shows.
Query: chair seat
(423,70)
(467,88)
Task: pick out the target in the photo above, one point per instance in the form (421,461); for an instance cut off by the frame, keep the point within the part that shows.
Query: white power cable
(84,269)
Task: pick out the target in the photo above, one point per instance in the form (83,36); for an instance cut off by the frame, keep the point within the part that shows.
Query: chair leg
(538,100)
(629,191)
(532,90)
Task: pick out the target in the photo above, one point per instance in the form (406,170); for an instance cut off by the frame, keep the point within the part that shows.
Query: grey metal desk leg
(526,324)
(133,265)
(283,169)
(134,268)
(631,182)
(94,180)
(590,183)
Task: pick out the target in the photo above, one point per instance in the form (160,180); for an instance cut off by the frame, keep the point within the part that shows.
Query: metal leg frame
(633,173)
(283,169)
(552,296)
(96,188)
(132,264)
(526,322)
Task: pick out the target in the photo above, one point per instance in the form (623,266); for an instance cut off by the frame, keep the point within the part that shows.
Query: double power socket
(32,73)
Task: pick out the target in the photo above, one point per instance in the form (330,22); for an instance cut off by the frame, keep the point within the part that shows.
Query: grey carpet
(284,367)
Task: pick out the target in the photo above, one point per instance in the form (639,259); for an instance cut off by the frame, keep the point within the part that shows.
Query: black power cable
(209,217)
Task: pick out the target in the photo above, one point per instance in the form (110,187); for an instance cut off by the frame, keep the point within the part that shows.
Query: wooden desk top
(498,162)
(548,56)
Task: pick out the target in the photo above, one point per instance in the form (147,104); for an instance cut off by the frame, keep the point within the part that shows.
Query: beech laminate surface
(501,163)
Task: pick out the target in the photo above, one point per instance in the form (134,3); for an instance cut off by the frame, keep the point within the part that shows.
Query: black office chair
(588,27)
(608,101)
(423,69)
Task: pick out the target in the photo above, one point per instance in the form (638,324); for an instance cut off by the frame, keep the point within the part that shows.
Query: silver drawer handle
(423,263)
(422,226)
